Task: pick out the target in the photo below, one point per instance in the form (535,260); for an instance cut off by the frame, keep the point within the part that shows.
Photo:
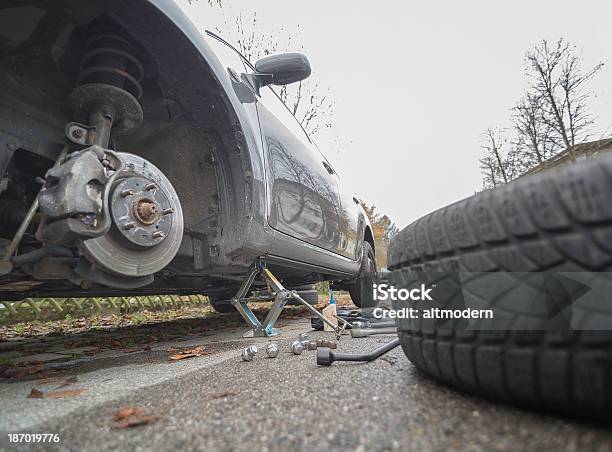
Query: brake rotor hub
(145,211)
(147,222)
(141,211)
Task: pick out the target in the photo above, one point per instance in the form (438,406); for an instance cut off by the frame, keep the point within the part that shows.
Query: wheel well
(368,237)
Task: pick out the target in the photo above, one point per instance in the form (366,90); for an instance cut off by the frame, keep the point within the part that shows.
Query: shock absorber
(108,87)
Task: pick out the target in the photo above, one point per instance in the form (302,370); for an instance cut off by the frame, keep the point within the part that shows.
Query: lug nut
(128,226)
(158,234)
(313,345)
(150,187)
(126,192)
(304,339)
(297,348)
(249,353)
(272,350)
(167,211)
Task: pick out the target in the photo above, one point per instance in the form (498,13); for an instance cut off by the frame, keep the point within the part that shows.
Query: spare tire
(559,220)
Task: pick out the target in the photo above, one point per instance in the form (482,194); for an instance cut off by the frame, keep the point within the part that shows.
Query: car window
(228,55)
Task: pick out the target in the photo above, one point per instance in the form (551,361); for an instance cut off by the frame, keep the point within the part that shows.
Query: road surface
(218,402)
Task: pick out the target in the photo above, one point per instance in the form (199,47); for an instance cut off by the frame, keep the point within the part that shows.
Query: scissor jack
(281,297)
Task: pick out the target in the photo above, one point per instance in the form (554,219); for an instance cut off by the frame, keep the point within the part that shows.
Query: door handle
(327,166)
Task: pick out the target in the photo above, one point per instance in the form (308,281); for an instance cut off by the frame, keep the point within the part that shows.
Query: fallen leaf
(198,351)
(68,381)
(128,411)
(65,394)
(134,421)
(220,395)
(47,379)
(36,394)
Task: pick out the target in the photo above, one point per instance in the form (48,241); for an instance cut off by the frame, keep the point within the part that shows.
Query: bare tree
(551,116)
(557,80)
(533,142)
(499,163)
(312,109)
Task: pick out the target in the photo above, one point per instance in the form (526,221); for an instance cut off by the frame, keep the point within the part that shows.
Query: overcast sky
(415,84)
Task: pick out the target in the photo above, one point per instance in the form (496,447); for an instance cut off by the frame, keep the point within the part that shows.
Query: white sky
(416,83)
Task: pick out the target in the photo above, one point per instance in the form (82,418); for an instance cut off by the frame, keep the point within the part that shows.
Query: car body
(250,181)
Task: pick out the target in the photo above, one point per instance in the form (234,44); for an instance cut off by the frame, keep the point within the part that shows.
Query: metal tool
(272,350)
(297,348)
(313,345)
(281,297)
(373,324)
(304,340)
(249,353)
(325,357)
(364,332)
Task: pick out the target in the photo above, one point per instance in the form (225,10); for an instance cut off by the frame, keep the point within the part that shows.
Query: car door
(303,187)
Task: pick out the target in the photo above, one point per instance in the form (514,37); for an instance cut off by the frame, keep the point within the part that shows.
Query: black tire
(308,292)
(222,304)
(361,290)
(558,220)
(310,296)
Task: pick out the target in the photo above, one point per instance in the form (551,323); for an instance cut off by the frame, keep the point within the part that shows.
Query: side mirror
(285,68)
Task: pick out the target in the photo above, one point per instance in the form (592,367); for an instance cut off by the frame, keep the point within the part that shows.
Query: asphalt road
(218,402)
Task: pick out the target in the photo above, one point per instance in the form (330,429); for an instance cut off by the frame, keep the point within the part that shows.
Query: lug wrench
(364,332)
(325,357)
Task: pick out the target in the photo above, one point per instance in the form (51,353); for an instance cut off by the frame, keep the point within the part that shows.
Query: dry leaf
(220,395)
(128,411)
(64,394)
(134,421)
(47,380)
(36,394)
(129,416)
(198,351)
(68,382)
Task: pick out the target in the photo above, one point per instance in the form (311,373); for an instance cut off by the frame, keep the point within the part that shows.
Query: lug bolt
(128,226)
(249,353)
(126,192)
(297,348)
(272,350)
(304,339)
(158,234)
(167,211)
(150,187)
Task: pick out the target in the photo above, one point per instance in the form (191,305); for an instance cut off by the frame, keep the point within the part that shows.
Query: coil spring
(108,59)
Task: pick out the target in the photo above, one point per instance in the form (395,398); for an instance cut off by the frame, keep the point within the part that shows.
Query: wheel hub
(145,211)
(141,211)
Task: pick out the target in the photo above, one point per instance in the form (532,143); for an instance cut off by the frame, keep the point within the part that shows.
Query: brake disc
(147,222)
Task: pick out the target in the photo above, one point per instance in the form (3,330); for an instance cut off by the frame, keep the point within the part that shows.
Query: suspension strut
(108,89)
